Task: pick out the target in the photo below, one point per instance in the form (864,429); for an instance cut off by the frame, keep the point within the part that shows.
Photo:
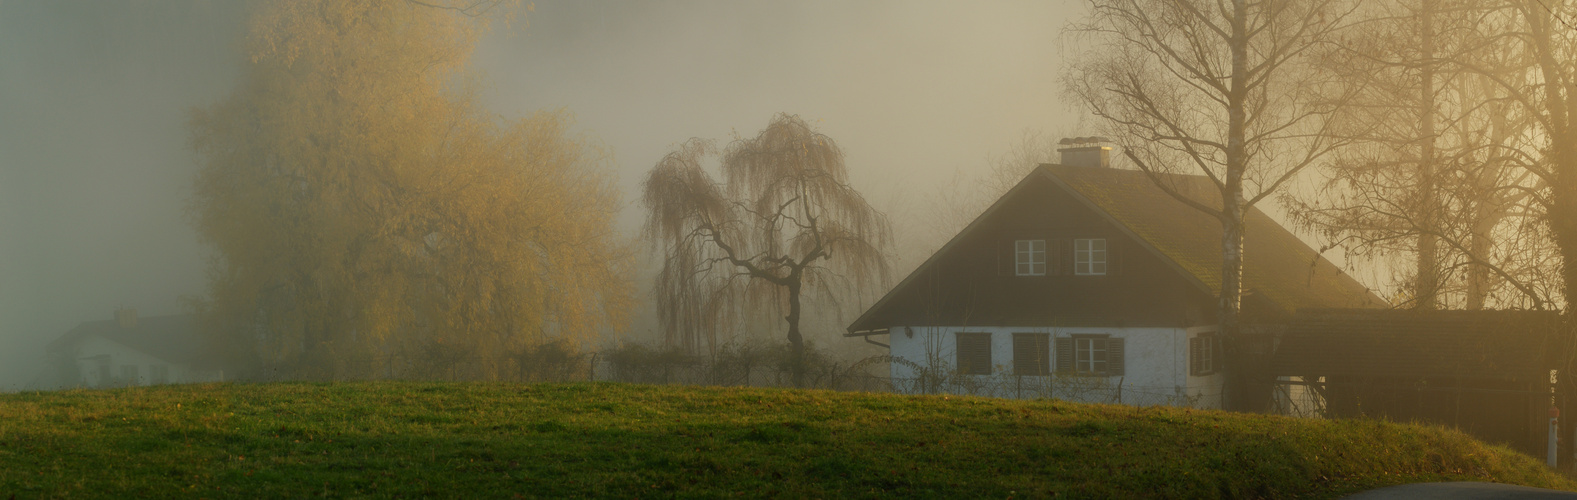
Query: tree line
(363,205)
(1441,130)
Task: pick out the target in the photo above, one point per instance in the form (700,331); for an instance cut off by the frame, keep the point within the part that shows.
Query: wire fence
(737,366)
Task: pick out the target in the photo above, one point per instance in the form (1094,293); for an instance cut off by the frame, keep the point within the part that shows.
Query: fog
(95,169)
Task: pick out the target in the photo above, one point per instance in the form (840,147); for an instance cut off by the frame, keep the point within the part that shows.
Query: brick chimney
(1085,151)
(126,317)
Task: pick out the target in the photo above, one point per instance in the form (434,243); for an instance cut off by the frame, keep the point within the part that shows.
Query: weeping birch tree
(782,223)
(1225,90)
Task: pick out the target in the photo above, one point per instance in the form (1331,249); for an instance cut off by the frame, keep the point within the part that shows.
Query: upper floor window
(1089,256)
(1029,257)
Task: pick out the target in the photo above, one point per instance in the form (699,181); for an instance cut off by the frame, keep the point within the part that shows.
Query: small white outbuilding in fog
(131,351)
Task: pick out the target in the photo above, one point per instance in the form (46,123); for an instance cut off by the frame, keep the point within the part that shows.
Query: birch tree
(1225,90)
(782,223)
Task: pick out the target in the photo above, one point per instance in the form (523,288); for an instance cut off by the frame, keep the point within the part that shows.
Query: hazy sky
(95,169)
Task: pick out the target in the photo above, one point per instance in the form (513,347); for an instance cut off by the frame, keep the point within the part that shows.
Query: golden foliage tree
(371,220)
(783,220)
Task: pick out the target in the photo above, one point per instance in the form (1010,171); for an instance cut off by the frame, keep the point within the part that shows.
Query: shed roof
(1496,345)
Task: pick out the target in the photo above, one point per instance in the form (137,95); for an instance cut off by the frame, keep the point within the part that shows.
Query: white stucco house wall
(130,351)
(1089,283)
(1154,365)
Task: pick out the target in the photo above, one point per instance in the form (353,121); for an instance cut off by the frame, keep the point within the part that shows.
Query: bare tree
(1545,31)
(783,219)
(1427,178)
(1224,90)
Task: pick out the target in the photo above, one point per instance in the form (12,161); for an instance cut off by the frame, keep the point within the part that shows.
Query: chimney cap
(1082,140)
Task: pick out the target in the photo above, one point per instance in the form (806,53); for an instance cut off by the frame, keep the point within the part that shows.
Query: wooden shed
(1489,373)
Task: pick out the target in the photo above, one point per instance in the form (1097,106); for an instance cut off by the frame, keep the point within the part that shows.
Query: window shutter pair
(1059,257)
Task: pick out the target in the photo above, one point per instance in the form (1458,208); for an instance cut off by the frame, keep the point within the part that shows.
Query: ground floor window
(974,353)
(1090,354)
(1202,355)
(1031,354)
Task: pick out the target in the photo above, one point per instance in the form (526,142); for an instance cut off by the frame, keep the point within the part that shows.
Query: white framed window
(1089,257)
(1202,355)
(1091,356)
(1029,257)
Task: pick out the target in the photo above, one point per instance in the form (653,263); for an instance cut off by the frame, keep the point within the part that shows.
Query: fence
(738,366)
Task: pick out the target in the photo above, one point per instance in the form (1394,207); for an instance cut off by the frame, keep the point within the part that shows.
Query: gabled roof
(1279,268)
(171,338)
(1502,345)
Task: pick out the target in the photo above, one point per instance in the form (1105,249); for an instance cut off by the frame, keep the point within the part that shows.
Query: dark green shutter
(1031,354)
(1059,257)
(1114,257)
(1195,355)
(1005,257)
(1114,357)
(974,353)
(1065,355)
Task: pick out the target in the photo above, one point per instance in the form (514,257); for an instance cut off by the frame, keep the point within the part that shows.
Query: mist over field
(96,167)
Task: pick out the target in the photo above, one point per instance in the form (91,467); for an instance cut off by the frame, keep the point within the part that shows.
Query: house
(132,351)
(1489,373)
(1087,282)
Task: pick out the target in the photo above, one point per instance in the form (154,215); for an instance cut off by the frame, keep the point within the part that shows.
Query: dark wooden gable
(972,281)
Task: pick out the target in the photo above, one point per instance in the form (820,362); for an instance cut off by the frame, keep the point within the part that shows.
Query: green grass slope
(612,440)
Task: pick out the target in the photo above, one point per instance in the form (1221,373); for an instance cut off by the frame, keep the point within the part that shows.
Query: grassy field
(612,440)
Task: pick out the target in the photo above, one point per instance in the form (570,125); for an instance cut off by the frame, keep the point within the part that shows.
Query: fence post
(1550,454)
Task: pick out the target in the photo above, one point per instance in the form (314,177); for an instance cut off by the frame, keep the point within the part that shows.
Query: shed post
(1550,455)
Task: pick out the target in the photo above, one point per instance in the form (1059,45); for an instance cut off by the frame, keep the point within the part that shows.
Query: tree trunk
(1238,376)
(1240,367)
(1559,112)
(1426,282)
(796,341)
